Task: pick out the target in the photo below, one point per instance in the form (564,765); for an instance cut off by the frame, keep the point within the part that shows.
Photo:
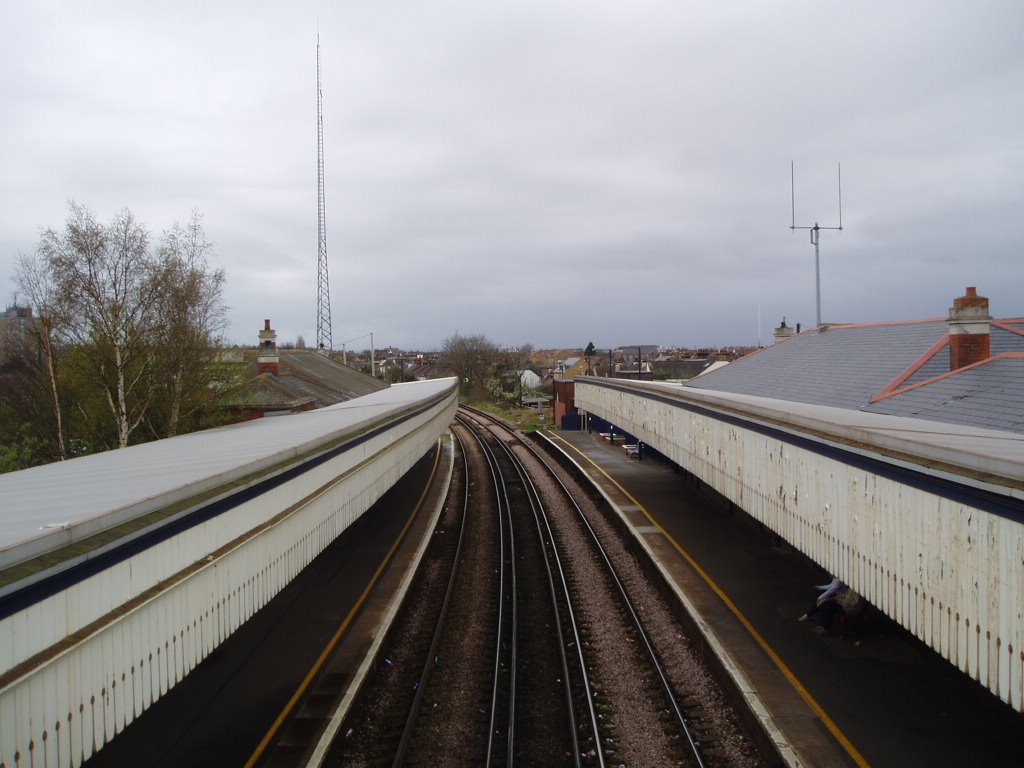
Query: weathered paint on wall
(212,578)
(951,573)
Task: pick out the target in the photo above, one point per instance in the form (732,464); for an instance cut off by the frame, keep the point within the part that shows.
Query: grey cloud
(537,172)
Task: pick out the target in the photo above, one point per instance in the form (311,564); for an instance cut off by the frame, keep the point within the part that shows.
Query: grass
(527,419)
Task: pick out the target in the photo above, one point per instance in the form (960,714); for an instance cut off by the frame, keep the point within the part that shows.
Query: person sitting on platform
(836,599)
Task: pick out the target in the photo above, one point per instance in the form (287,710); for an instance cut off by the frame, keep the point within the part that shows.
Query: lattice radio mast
(323,295)
(815,230)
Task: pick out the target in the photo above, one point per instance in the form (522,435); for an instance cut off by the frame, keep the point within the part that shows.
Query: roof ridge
(885,394)
(894,386)
(1005,324)
(919,321)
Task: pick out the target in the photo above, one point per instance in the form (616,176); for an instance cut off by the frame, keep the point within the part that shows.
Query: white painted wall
(112,645)
(951,574)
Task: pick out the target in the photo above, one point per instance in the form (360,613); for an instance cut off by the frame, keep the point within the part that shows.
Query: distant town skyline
(537,173)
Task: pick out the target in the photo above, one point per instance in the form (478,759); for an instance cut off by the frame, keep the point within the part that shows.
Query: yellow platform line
(833,728)
(342,629)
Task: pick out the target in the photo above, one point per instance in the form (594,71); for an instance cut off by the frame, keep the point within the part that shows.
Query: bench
(632,451)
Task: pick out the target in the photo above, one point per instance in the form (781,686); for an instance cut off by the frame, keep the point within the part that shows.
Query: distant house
(17,325)
(529,379)
(411,367)
(428,368)
(634,369)
(967,368)
(570,368)
(683,370)
(544,361)
(630,354)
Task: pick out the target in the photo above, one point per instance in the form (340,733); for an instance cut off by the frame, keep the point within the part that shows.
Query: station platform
(878,697)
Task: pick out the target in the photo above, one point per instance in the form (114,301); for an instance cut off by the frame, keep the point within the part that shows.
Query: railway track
(551,711)
(577,564)
(527,640)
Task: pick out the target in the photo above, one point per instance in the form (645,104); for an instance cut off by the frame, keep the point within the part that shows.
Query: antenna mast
(323,296)
(815,231)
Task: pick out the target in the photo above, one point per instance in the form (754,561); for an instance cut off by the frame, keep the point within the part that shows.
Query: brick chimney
(783,332)
(969,335)
(268,362)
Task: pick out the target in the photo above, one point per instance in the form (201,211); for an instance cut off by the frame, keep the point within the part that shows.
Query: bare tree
(127,335)
(515,360)
(107,288)
(190,320)
(471,358)
(26,412)
(36,283)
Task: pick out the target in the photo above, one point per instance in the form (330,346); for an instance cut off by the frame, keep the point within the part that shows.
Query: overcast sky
(536,171)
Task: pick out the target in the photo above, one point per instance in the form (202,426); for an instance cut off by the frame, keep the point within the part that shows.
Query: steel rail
(628,604)
(554,567)
(506,590)
(417,702)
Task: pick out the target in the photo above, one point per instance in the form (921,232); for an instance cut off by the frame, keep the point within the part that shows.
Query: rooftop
(898,369)
(304,376)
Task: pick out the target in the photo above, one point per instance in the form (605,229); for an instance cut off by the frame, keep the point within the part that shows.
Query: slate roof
(900,369)
(304,376)
(306,373)
(683,369)
(988,394)
(264,393)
